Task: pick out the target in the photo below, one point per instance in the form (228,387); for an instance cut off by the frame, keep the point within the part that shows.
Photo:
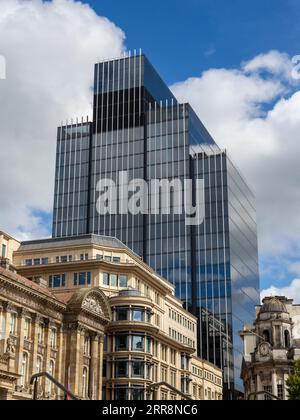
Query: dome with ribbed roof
(273,304)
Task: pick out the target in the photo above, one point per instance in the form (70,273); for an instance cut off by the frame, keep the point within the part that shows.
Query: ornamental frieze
(23,300)
(92,305)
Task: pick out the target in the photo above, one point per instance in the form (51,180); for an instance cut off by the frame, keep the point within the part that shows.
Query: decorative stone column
(20,346)
(285,390)
(2,325)
(75,357)
(83,333)
(94,371)
(258,386)
(36,319)
(274,383)
(61,355)
(100,365)
(7,315)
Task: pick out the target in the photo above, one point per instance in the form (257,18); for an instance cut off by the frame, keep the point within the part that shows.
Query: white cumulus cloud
(257,119)
(50,50)
(274,62)
(292,291)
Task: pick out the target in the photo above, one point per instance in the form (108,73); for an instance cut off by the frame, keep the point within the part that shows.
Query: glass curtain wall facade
(139,127)
(72,180)
(226,262)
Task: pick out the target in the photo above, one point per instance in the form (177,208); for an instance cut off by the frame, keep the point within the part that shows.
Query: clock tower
(271,344)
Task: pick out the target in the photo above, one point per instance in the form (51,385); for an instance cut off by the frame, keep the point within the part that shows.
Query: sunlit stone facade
(92,314)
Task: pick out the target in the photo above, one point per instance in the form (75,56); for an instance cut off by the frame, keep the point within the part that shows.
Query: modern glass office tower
(139,127)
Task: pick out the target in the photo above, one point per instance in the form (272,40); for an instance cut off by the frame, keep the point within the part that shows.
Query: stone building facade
(271,345)
(93,315)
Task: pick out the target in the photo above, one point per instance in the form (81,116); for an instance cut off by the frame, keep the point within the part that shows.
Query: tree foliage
(293,383)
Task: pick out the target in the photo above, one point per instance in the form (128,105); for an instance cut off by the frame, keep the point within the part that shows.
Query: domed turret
(273,304)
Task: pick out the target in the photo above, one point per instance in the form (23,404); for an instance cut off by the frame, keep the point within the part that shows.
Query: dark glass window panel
(82,279)
(57,281)
(138,343)
(121,369)
(122,342)
(137,369)
(113,280)
(122,314)
(106,279)
(123,280)
(138,315)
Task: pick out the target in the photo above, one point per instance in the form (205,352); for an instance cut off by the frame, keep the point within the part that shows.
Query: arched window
(84,382)
(287,341)
(266,335)
(24,370)
(39,364)
(51,373)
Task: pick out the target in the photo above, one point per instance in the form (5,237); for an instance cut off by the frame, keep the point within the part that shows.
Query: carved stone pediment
(91,304)
(92,301)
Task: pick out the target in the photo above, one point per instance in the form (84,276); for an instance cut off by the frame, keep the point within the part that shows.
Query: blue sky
(198,47)
(183,38)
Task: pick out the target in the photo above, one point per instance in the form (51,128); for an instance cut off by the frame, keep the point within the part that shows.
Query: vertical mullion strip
(117,145)
(123,140)
(225,268)
(74,174)
(198,260)
(95,147)
(161,177)
(173,177)
(185,227)
(180,222)
(205,275)
(59,159)
(155,177)
(128,143)
(69,179)
(101,140)
(79,183)
(211,253)
(168,217)
(216,157)
(112,139)
(149,162)
(136,218)
(64,176)
(140,87)
(106,134)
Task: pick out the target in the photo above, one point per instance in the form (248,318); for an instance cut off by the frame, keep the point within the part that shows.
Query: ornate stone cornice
(10,307)
(7,284)
(25,313)
(30,302)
